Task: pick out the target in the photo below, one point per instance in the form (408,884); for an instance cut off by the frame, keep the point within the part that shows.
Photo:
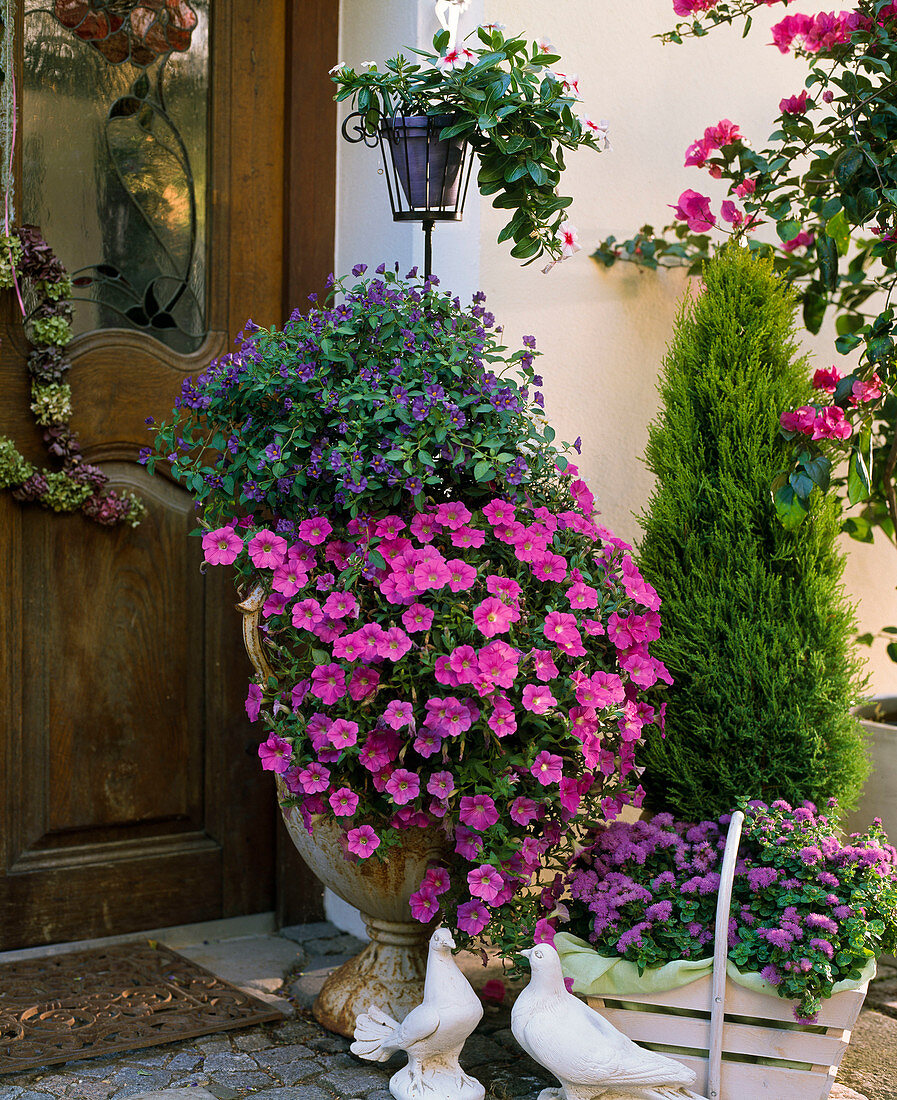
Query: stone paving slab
(298,1060)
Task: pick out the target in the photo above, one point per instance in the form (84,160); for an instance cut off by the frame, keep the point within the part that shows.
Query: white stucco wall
(603,332)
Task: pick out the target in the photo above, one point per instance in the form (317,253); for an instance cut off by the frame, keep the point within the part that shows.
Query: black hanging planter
(427,176)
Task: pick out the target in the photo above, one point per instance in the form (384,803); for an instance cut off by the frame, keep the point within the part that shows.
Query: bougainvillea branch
(28,264)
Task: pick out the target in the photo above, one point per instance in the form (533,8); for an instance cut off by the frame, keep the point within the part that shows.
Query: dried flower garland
(27,260)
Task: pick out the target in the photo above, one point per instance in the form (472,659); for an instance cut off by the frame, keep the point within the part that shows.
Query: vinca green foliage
(756,628)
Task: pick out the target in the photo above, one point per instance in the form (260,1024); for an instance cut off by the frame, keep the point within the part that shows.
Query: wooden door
(130,791)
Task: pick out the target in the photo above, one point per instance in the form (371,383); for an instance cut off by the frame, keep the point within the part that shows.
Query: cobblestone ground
(299,1060)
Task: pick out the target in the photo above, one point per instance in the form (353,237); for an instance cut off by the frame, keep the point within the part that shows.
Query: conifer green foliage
(756,629)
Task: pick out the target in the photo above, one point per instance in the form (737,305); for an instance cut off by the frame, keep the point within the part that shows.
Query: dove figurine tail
(374,1031)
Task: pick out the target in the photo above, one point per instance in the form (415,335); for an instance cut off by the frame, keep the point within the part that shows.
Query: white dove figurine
(588,1055)
(448,13)
(432,1034)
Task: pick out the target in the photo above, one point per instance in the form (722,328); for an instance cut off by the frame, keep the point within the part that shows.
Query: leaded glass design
(115,105)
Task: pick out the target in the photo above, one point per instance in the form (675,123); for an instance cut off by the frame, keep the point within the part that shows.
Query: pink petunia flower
(328,683)
(403,786)
(485,882)
(452,515)
(417,618)
(341,605)
(472,917)
(547,566)
(543,664)
(275,754)
(537,698)
(436,880)
(314,779)
(461,575)
(221,547)
(307,613)
(492,617)
(398,714)
(441,784)
(424,905)
(343,802)
(267,550)
(289,578)
(547,768)
(499,512)
(362,841)
(363,683)
(342,733)
(254,702)
(478,812)
(524,810)
(314,531)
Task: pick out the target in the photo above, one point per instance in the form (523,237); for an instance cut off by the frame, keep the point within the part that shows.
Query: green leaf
(848,164)
(827,259)
(858,527)
(788,230)
(320,656)
(790,509)
(858,476)
(864,639)
(891,650)
(839,230)
(483,471)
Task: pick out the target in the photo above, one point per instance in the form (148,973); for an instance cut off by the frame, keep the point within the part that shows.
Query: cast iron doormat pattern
(87,1003)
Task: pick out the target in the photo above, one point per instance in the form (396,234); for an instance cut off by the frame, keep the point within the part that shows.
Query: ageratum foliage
(396,394)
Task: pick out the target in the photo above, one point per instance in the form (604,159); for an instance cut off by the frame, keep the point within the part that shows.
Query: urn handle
(251,610)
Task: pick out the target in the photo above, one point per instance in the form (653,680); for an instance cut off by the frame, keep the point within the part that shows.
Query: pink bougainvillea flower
(472,917)
(417,617)
(694,209)
(363,683)
(827,379)
(254,702)
(831,423)
(537,698)
(343,802)
(745,188)
(314,531)
(461,575)
(328,683)
(478,811)
(731,213)
(794,104)
(865,391)
(362,841)
(799,420)
(441,784)
(547,768)
(221,546)
(403,786)
(802,240)
(275,754)
(267,550)
(485,882)
(493,616)
(314,779)
(424,905)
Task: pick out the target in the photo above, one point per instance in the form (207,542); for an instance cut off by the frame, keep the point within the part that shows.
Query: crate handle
(720,954)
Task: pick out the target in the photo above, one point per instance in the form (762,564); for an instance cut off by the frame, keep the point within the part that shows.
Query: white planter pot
(879,797)
(759,1030)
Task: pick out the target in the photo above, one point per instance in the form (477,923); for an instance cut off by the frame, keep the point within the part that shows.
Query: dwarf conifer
(757,632)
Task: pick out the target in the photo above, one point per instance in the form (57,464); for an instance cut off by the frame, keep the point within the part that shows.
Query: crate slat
(743,1081)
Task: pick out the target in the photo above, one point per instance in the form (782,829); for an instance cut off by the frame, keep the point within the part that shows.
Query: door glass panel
(115,106)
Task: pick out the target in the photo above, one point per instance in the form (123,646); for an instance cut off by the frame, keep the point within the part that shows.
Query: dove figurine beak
(526,952)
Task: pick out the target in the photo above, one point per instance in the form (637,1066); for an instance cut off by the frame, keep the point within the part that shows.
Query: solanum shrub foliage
(820,196)
(454,641)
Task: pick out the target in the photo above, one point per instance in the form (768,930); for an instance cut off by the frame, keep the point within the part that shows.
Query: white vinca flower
(598,130)
(337,67)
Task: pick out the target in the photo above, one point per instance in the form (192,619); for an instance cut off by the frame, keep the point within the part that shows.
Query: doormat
(88,1003)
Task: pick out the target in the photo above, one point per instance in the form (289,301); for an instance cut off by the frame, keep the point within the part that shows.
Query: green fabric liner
(599,976)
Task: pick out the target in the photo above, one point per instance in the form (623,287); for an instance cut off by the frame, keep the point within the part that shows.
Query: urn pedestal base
(388,973)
